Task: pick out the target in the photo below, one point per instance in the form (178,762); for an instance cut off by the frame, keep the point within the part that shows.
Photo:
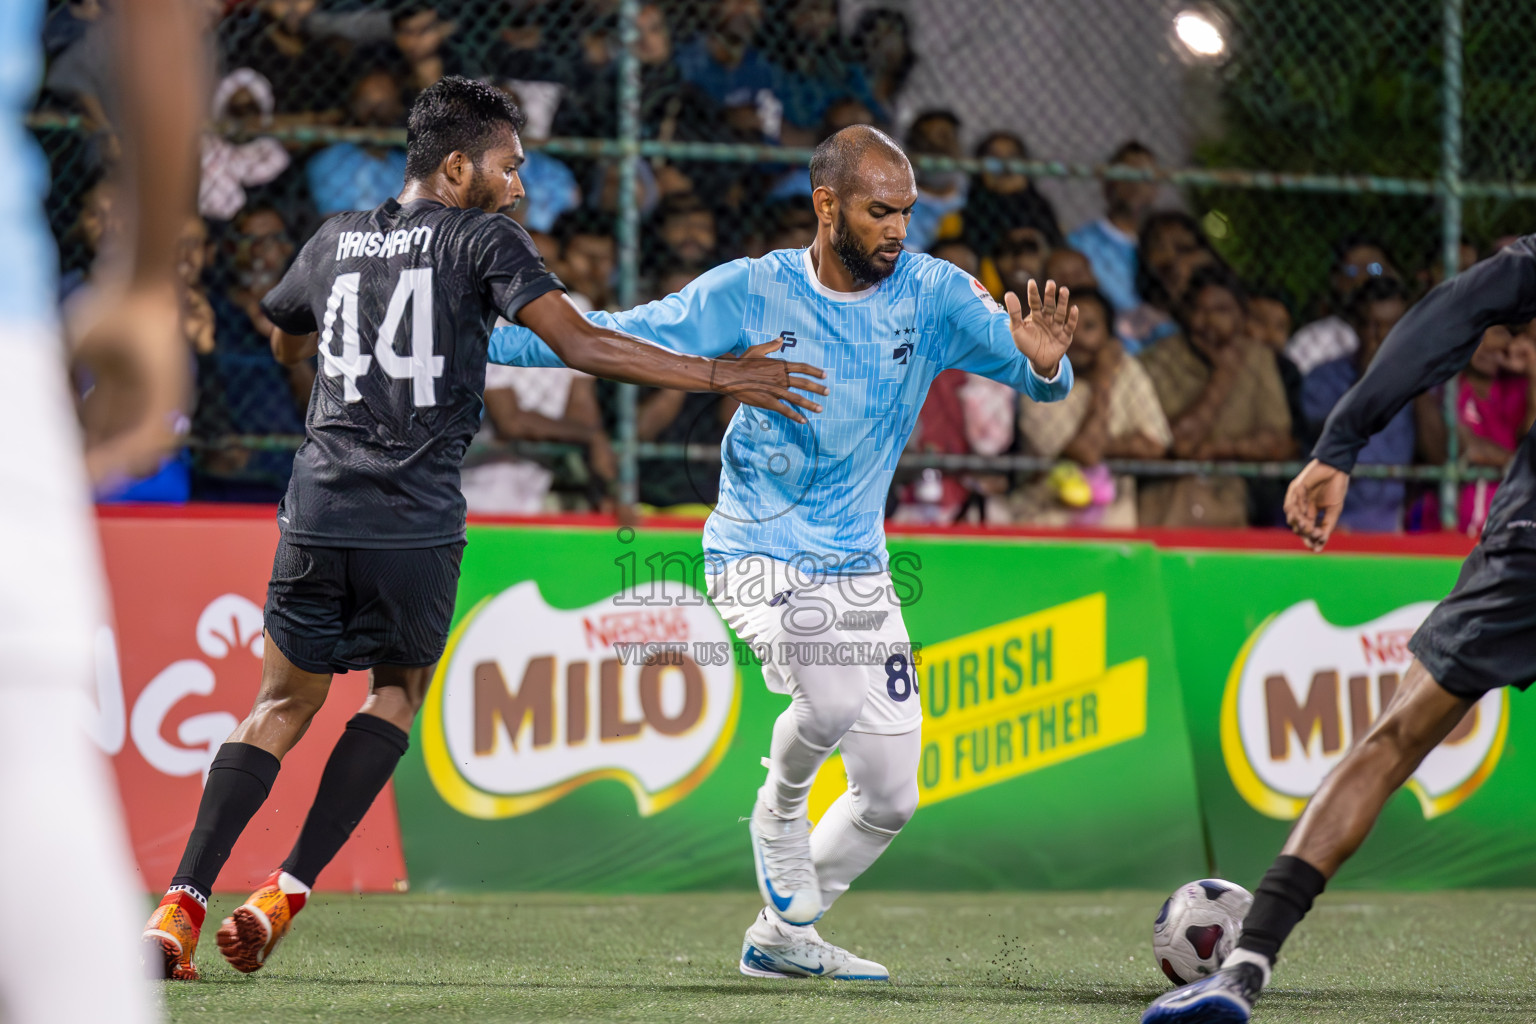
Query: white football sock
(843,848)
(291,886)
(860,824)
(772,930)
(1248,956)
(825,702)
(792,766)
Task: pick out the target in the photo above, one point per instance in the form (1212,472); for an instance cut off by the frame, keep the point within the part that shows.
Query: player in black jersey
(1481,637)
(399,303)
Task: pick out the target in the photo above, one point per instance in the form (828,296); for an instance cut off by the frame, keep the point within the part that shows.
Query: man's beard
(482,193)
(861,264)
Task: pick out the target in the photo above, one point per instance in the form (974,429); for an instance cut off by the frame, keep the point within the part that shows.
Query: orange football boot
(170,937)
(248,936)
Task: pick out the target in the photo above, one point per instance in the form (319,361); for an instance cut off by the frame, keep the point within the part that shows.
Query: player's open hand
(128,341)
(755,379)
(1313,503)
(1046,333)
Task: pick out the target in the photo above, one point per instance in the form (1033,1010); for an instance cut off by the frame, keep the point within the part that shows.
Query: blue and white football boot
(1226,997)
(773,949)
(786,876)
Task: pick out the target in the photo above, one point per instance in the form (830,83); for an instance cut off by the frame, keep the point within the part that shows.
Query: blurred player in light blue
(63,837)
(795,549)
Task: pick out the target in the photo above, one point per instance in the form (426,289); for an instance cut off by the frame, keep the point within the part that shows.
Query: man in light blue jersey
(795,549)
(63,836)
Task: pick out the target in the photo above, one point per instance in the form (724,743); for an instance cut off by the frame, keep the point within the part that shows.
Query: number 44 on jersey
(419,366)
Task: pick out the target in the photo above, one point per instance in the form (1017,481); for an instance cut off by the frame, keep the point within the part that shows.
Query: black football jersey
(404,298)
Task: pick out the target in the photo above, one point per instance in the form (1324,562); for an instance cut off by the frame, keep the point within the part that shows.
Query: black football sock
(361,763)
(1281,901)
(239,780)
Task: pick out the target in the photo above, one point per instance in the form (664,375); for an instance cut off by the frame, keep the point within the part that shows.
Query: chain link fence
(1243,196)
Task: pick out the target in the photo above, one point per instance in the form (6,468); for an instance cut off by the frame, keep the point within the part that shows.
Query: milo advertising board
(595,726)
(1095,714)
(1302,691)
(1286,660)
(658,725)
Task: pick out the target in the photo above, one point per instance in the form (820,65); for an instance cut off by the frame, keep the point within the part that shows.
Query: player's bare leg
(1339,817)
(359,766)
(287,702)
(239,781)
(397,694)
(1336,821)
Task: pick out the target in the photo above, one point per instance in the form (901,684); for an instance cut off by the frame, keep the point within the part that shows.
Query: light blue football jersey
(28,259)
(814,493)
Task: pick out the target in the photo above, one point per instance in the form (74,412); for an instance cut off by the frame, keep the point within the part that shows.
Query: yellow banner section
(1033,730)
(986,674)
(1013,698)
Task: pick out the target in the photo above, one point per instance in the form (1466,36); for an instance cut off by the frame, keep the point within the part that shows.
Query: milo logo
(1303,690)
(531,702)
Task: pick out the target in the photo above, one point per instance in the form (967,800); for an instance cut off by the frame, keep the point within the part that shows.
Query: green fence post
(1450,208)
(628,240)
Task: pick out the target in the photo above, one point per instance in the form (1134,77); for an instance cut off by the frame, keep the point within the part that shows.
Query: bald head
(840,162)
(863,193)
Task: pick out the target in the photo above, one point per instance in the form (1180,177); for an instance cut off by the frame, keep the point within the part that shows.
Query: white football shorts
(850,622)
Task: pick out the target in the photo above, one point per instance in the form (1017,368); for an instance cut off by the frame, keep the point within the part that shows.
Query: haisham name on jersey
(381,243)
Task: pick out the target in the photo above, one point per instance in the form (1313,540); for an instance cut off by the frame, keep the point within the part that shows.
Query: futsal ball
(1197,927)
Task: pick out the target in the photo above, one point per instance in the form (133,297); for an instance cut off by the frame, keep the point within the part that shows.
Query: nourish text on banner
(1022,695)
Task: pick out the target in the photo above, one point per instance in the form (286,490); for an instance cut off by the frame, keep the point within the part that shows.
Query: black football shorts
(344,609)
(1483,635)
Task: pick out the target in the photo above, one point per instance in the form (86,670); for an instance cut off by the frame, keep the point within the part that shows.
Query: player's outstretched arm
(1000,343)
(128,337)
(753,379)
(1432,341)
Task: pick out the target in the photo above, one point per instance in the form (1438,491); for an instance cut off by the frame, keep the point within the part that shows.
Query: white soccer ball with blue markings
(1197,927)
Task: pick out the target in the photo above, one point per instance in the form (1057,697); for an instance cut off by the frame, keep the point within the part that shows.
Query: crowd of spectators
(1178,359)
(1175,357)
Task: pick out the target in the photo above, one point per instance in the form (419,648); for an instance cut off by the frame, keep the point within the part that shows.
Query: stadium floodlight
(1200,33)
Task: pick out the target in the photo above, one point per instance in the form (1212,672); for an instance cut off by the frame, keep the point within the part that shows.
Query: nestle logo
(1387,647)
(869,621)
(660,626)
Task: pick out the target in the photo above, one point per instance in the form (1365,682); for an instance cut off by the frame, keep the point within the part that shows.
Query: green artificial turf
(1014,957)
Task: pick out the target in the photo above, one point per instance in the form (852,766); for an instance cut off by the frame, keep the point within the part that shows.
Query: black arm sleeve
(1434,340)
(288,305)
(511,272)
